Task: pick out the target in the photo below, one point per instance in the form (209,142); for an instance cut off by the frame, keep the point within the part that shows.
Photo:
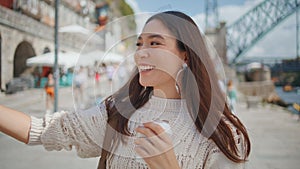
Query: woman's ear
(185,57)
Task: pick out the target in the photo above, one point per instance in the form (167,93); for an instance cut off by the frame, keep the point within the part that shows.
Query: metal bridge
(255,24)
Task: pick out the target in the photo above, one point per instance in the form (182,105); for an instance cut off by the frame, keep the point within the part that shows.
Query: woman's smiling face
(158,57)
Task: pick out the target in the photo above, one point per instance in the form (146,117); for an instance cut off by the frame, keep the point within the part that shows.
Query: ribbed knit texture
(85,131)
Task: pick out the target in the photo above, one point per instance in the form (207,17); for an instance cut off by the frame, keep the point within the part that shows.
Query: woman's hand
(156,147)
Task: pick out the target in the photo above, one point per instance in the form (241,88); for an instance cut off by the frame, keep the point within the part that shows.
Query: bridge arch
(23,51)
(255,24)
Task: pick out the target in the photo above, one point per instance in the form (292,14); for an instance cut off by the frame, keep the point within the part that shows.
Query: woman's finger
(156,128)
(151,136)
(159,131)
(146,149)
(153,144)
(146,131)
(147,146)
(141,151)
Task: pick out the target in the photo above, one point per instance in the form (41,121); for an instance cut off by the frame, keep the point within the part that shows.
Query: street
(274,133)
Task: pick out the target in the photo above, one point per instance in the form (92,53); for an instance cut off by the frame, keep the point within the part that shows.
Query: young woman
(174,83)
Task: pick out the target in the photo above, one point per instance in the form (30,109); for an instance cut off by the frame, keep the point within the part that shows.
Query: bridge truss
(255,24)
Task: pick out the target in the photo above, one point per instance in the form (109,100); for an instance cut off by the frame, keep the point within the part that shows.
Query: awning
(99,57)
(71,59)
(65,59)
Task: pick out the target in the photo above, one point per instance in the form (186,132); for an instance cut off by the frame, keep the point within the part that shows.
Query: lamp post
(297,33)
(56,70)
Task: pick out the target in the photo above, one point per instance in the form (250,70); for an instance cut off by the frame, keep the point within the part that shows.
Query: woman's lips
(145,68)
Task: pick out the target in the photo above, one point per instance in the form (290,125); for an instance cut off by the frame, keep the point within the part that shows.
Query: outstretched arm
(14,123)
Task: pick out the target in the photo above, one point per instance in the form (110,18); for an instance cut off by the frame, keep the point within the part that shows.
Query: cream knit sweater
(85,131)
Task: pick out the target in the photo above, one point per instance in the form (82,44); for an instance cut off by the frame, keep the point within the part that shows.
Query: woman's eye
(154,43)
(139,44)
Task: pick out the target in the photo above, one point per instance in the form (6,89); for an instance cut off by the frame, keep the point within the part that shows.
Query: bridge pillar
(218,38)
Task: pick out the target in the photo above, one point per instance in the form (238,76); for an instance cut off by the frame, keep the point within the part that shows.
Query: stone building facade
(27,30)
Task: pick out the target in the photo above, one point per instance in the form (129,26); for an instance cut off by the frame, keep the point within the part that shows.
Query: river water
(289,97)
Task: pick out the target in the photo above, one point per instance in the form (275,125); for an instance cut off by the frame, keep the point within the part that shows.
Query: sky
(280,42)
(190,7)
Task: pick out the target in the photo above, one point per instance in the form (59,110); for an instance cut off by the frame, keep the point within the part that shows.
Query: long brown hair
(217,118)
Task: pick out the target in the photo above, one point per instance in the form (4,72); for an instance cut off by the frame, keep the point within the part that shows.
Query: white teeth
(146,67)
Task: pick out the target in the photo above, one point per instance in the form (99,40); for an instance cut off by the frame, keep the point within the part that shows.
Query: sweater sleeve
(84,130)
(216,159)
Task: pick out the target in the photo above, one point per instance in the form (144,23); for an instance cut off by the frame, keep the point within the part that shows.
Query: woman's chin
(145,83)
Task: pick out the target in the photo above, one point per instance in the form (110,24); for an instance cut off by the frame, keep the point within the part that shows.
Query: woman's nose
(142,53)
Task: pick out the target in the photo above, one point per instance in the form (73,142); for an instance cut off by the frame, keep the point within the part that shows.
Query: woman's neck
(168,94)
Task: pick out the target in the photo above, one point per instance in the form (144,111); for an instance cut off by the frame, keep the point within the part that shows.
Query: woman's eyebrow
(151,36)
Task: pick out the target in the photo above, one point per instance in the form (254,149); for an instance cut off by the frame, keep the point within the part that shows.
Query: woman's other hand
(156,148)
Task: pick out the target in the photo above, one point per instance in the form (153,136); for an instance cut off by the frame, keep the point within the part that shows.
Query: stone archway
(23,51)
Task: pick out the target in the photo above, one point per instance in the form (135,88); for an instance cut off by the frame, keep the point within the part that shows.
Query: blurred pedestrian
(110,72)
(80,79)
(97,78)
(49,89)
(122,73)
(231,91)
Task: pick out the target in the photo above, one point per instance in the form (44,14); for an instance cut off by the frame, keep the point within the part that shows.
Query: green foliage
(108,1)
(125,9)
